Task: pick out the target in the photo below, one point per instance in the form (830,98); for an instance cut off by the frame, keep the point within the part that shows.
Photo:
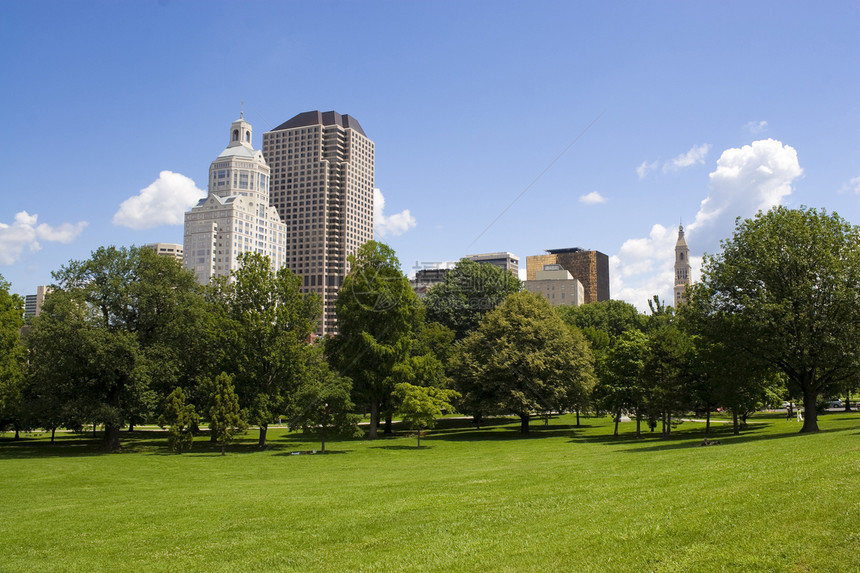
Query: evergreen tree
(226,419)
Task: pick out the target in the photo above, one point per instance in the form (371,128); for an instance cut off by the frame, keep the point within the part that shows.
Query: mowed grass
(562,499)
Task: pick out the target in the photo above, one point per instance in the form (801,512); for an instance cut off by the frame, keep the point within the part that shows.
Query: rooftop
(322,118)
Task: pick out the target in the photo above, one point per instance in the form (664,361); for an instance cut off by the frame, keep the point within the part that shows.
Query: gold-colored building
(591,268)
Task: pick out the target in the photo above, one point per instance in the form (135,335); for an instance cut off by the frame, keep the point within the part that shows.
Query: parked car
(837,403)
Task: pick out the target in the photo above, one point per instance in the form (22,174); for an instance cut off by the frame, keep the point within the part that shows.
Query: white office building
(236,216)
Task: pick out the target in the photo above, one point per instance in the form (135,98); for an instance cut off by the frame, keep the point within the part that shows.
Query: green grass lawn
(561,499)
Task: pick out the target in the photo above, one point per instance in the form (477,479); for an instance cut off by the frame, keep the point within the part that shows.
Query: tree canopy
(784,290)
(521,359)
(378,314)
(470,290)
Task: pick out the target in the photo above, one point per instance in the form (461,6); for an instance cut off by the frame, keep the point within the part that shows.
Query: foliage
(784,290)
(182,419)
(620,386)
(612,317)
(378,314)
(666,375)
(11,357)
(323,405)
(421,405)
(268,324)
(470,290)
(226,419)
(522,358)
(116,330)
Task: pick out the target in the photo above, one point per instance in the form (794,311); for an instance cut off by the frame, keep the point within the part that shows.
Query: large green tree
(268,326)
(11,357)
(785,290)
(117,330)
(521,359)
(378,314)
(470,290)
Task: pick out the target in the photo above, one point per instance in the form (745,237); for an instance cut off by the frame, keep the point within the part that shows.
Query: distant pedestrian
(799,415)
(788,413)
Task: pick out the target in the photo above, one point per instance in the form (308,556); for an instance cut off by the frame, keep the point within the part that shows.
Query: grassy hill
(563,498)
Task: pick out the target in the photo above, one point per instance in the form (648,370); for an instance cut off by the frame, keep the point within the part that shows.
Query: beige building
(591,268)
(166,249)
(557,286)
(235,217)
(322,184)
(683,270)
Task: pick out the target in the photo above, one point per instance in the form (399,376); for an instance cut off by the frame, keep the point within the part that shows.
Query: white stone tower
(235,217)
(682,267)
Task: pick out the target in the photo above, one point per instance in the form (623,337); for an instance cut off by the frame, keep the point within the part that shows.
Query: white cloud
(592,198)
(747,179)
(854,185)
(695,156)
(164,202)
(643,170)
(24,233)
(396,224)
(756,127)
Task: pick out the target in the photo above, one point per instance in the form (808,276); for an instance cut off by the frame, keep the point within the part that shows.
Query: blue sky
(499,126)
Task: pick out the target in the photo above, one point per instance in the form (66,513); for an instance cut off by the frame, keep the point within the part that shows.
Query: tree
(614,317)
(666,374)
(522,358)
(470,290)
(182,420)
(620,386)
(115,328)
(226,419)
(784,290)
(269,323)
(11,358)
(323,405)
(378,313)
(420,405)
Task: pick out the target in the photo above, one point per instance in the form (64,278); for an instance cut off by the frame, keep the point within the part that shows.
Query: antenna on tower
(242,112)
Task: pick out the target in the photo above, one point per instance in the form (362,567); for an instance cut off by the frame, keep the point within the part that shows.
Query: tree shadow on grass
(401,447)
(693,439)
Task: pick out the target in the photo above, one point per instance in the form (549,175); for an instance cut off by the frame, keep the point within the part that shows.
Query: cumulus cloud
(396,224)
(645,168)
(24,233)
(756,127)
(163,202)
(592,198)
(695,156)
(746,179)
(854,185)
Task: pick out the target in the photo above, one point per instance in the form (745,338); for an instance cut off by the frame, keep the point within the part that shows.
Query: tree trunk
(708,421)
(53,433)
(110,442)
(322,444)
(17,433)
(638,424)
(419,437)
(810,415)
(223,450)
(131,426)
(476,419)
(261,441)
(94,429)
(374,420)
(524,423)
(388,431)
(617,420)
(577,417)
(735,429)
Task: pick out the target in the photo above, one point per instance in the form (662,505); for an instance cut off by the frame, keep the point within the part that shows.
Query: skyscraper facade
(682,267)
(236,216)
(322,185)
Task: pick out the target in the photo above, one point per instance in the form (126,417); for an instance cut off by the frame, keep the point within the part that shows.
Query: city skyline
(497,127)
